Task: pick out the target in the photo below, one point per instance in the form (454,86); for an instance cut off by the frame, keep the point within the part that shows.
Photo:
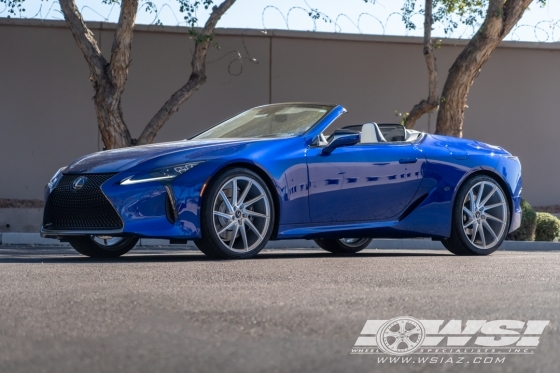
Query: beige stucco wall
(47,116)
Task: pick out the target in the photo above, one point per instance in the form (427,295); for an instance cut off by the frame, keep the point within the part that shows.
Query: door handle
(408,160)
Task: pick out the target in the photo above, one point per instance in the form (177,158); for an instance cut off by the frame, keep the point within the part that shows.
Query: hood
(124,159)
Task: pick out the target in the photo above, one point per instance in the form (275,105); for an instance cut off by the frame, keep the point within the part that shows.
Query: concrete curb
(386,244)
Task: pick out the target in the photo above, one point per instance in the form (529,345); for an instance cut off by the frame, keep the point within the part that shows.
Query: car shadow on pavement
(29,254)
(379,254)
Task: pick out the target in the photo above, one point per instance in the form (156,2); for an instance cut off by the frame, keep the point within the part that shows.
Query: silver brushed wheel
(241,214)
(484,215)
(480,219)
(237,215)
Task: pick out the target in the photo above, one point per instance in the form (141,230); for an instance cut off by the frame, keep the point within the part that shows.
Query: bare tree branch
(426,106)
(122,45)
(84,38)
(500,18)
(512,13)
(197,78)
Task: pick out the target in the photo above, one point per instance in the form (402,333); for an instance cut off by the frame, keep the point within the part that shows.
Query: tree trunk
(500,18)
(112,127)
(203,41)
(108,78)
(426,106)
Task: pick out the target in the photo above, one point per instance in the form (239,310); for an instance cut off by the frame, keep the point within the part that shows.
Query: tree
(109,77)
(431,103)
(499,19)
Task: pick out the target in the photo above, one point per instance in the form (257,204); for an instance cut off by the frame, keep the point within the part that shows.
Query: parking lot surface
(170,310)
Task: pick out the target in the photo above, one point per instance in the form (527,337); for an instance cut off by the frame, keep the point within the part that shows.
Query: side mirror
(337,142)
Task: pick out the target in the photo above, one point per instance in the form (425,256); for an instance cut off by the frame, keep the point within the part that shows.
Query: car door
(363,182)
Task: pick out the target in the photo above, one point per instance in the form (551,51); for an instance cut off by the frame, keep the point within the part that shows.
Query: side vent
(170,206)
(413,206)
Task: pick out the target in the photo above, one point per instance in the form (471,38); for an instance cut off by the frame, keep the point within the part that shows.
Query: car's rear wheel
(237,216)
(343,245)
(481,218)
(103,246)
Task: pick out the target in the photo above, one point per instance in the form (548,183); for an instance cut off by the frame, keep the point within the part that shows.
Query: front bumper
(149,210)
(53,233)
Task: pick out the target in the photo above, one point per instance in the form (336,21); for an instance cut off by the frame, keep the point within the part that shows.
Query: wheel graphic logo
(401,336)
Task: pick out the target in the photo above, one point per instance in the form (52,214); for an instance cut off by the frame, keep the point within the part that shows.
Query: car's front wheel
(237,216)
(103,246)
(343,245)
(481,218)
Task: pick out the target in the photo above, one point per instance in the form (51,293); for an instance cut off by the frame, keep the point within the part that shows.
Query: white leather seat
(369,134)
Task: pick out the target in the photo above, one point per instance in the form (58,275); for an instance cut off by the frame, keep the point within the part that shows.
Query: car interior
(371,133)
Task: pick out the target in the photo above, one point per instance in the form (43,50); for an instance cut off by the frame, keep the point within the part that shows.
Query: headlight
(56,178)
(161,174)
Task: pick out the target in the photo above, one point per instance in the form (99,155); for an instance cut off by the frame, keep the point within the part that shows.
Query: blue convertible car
(271,173)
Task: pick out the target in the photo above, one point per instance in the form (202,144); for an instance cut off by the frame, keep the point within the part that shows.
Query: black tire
(459,243)
(339,246)
(211,243)
(87,246)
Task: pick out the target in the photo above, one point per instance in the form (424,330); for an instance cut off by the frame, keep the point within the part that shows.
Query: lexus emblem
(79,183)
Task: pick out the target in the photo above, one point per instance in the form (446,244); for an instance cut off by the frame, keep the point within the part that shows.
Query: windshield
(285,120)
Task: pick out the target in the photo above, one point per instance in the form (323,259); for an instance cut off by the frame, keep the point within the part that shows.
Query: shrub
(526,232)
(548,227)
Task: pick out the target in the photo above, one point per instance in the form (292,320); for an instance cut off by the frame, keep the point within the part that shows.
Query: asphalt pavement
(170,310)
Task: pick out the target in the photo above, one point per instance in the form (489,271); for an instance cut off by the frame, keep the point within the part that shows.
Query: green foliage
(548,227)
(315,14)
(536,226)
(526,232)
(403,116)
(199,37)
(449,12)
(13,6)
(188,7)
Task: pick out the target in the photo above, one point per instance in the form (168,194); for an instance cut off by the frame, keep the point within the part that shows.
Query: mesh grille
(83,209)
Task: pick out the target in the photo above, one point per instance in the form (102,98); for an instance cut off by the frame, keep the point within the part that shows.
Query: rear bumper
(516,215)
